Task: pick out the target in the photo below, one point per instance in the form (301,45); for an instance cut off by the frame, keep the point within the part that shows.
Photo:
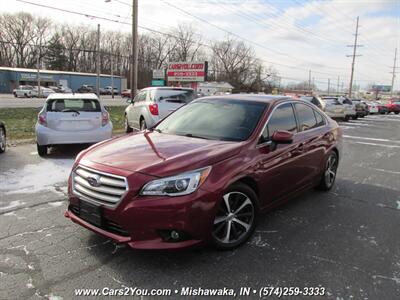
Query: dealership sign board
(158,74)
(187,71)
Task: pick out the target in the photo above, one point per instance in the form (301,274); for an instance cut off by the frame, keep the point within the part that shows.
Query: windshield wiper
(71,110)
(158,130)
(195,136)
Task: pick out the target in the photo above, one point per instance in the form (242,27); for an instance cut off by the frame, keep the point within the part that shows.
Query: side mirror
(282,137)
(130,101)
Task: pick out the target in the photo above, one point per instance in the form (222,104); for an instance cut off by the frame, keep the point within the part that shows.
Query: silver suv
(153,104)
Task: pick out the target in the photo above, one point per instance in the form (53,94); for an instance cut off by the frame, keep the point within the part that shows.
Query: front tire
(41,150)
(236,217)
(329,174)
(2,140)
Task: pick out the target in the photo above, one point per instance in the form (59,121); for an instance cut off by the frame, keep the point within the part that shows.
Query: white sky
(292,35)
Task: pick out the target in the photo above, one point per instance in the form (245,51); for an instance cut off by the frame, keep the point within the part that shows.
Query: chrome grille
(97,186)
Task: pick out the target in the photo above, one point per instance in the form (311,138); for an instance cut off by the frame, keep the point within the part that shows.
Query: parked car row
(213,163)
(341,107)
(29,91)
(108,90)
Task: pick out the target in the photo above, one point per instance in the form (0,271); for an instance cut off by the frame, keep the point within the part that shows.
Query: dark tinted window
(59,105)
(174,95)
(281,119)
(347,101)
(215,119)
(332,101)
(306,116)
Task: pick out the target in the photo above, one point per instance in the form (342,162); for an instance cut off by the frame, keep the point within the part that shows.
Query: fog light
(174,235)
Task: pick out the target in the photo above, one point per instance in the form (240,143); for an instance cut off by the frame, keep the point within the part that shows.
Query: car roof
(73,96)
(251,97)
(166,88)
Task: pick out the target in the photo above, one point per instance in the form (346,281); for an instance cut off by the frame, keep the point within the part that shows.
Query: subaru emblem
(94,180)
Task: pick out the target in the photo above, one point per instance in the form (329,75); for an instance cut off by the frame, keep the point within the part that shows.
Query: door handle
(300,147)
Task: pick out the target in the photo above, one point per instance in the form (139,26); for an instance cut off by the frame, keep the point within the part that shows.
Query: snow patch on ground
(56,204)
(12,204)
(33,178)
(54,297)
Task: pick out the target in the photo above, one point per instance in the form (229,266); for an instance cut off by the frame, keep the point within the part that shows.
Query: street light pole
(134,58)
(38,69)
(98,62)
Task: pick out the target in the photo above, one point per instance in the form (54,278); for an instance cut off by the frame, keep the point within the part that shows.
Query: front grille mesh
(108,190)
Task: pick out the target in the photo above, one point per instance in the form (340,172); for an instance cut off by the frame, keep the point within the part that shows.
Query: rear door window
(174,96)
(64,105)
(305,116)
(320,119)
(281,119)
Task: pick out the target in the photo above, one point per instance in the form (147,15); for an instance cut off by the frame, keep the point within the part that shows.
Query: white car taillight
(42,119)
(105,118)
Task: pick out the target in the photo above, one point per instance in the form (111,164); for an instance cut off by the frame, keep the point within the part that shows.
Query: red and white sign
(187,71)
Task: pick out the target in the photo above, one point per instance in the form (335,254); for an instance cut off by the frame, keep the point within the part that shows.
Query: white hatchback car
(71,119)
(153,104)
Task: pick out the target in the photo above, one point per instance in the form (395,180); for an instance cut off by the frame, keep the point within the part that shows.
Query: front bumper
(141,219)
(47,136)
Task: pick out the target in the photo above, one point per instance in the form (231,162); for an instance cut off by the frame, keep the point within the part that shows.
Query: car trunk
(72,121)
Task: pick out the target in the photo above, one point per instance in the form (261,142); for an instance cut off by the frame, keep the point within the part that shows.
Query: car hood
(160,154)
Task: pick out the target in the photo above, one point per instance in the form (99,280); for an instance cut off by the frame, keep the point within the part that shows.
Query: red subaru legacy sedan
(205,172)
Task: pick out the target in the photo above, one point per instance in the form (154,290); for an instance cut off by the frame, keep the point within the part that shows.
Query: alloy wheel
(330,170)
(234,219)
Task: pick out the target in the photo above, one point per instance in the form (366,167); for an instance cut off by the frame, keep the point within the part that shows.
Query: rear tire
(128,129)
(329,174)
(2,140)
(396,112)
(143,125)
(236,217)
(42,150)
(346,118)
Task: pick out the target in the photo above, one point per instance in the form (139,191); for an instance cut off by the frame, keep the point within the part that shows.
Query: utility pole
(309,80)
(337,87)
(329,86)
(112,76)
(354,57)
(393,72)
(341,88)
(134,58)
(38,69)
(98,62)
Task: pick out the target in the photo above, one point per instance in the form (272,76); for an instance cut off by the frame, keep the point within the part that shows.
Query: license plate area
(91,213)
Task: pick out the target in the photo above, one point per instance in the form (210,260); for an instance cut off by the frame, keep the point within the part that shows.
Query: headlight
(182,184)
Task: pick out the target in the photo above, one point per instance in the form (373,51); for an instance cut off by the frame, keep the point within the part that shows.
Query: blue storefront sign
(158,82)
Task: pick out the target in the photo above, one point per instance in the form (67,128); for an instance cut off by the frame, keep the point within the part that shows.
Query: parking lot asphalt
(346,240)
(9,101)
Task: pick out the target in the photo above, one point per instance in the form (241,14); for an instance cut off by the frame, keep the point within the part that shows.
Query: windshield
(87,105)
(171,95)
(215,119)
(332,101)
